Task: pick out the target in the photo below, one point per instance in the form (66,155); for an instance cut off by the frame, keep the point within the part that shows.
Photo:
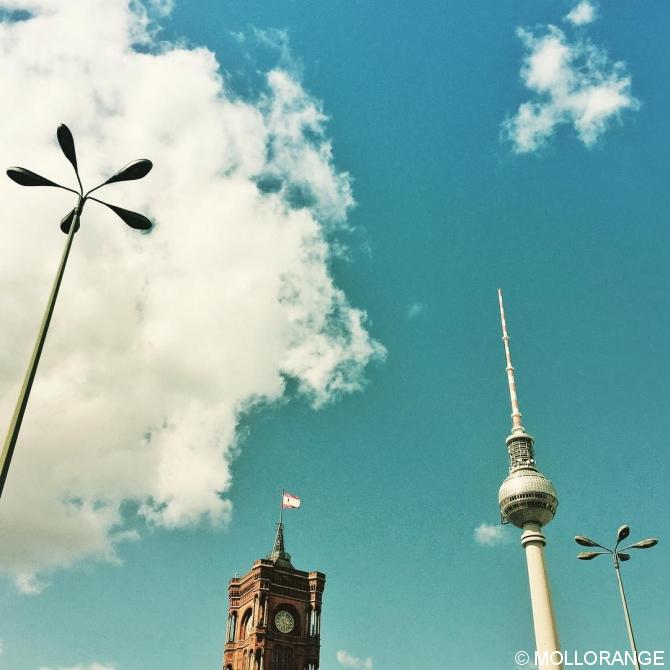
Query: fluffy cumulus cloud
(489,535)
(575,84)
(582,13)
(159,342)
(346,660)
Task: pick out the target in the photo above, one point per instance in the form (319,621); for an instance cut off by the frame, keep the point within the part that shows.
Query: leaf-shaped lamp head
(66,142)
(28,178)
(130,218)
(622,533)
(644,544)
(135,170)
(66,222)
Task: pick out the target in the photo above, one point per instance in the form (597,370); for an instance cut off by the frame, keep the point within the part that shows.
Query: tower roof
(279,556)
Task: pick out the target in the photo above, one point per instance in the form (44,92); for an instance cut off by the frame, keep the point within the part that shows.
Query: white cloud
(414,309)
(158,342)
(346,660)
(575,84)
(29,584)
(92,666)
(489,535)
(582,13)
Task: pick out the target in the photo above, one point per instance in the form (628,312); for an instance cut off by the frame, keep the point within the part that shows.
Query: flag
(289,501)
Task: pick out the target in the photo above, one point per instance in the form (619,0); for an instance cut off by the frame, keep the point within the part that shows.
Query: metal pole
(629,626)
(281,508)
(22,402)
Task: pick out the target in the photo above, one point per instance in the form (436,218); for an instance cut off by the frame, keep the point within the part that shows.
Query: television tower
(529,501)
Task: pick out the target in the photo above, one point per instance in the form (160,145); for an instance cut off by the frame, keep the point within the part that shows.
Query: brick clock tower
(274,615)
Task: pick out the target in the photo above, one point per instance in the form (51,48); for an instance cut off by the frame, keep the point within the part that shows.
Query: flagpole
(281,507)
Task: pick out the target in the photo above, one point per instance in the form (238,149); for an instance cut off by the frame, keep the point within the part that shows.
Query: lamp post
(618,555)
(69,225)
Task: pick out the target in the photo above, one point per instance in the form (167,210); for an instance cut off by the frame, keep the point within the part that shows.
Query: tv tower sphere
(526,495)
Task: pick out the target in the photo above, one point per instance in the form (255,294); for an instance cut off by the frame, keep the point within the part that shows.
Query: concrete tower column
(544,621)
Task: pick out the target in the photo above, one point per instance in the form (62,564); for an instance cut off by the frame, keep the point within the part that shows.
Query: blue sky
(398,455)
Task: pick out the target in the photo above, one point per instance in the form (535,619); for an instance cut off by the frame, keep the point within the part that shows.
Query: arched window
(247,624)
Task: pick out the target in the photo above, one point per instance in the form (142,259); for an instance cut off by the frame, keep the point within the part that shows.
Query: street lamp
(618,555)
(69,225)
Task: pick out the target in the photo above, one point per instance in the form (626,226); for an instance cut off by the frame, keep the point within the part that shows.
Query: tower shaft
(544,621)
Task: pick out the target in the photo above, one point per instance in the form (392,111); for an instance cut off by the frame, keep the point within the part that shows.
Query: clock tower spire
(274,615)
(279,554)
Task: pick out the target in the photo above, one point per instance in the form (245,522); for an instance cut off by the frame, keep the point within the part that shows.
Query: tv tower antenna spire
(528,500)
(517,427)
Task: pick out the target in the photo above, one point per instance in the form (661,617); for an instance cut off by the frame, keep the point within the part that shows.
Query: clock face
(284,621)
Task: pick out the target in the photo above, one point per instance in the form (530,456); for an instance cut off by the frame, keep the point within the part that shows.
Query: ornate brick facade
(274,615)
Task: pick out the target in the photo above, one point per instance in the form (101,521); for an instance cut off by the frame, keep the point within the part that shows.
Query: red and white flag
(289,501)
